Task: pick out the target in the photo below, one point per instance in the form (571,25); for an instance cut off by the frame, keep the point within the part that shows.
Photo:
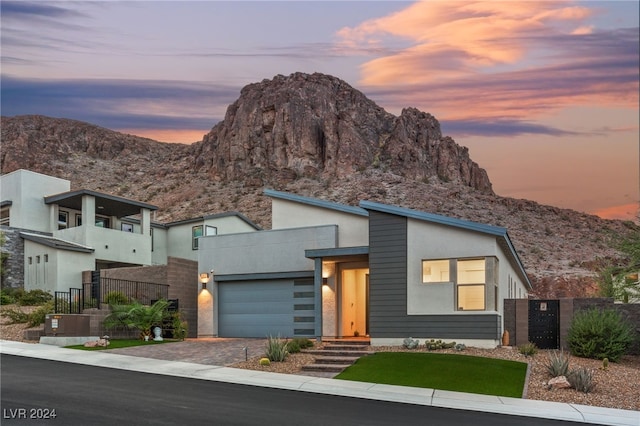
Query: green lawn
(121,343)
(459,373)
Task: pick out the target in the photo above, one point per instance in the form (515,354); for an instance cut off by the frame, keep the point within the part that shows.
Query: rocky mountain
(314,135)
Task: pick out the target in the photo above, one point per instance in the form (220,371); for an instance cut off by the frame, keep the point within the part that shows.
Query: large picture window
(435,271)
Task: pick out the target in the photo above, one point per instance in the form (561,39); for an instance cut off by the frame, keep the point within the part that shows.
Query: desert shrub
(6,299)
(303,342)
(38,316)
(180,327)
(581,380)
(116,298)
(276,349)
(15,316)
(528,349)
(600,334)
(293,346)
(558,364)
(410,343)
(34,298)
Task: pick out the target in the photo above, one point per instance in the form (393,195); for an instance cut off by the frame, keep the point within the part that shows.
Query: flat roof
(106,204)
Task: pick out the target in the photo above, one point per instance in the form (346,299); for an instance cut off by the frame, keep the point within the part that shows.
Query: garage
(264,308)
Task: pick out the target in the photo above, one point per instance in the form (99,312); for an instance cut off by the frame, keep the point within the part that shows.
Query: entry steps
(336,355)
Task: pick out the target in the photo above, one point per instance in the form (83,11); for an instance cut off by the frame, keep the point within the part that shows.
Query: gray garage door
(266,308)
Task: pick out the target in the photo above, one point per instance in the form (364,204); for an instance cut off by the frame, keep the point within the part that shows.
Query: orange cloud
(496,59)
(173,136)
(623,212)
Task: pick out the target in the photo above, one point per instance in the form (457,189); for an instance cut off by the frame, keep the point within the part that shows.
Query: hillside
(313,135)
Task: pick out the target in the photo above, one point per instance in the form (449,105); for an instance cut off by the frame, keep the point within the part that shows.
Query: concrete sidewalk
(429,397)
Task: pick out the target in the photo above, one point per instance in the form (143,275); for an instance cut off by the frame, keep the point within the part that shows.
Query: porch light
(204,279)
(325,281)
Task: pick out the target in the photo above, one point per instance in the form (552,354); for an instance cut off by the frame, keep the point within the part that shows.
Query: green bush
(528,349)
(34,298)
(558,364)
(600,334)
(6,298)
(293,346)
(276,349)
(581,380)
(38,316)
(116,298)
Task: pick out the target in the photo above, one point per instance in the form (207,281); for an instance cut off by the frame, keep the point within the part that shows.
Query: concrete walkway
(429,397)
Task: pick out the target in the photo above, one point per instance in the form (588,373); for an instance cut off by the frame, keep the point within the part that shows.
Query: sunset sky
(544,93)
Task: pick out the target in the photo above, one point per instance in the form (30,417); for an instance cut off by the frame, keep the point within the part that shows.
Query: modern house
(323,270)
(58,234)
(332,270)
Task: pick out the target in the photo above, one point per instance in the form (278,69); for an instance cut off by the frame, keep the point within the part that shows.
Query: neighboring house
(331,270)
(64,233)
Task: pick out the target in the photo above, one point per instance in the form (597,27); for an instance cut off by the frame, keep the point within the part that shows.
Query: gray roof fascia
(215,216)
(497,231)
(263,276)
(316,202)
(56,243)
(339,251)
(6,203)
(54,199)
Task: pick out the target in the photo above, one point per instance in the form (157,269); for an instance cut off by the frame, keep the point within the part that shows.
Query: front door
(354,284)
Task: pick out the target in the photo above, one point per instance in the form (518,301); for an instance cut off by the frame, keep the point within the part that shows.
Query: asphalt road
(32,389)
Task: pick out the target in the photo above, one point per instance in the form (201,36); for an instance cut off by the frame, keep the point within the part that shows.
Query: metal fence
(117,291)
(69,302)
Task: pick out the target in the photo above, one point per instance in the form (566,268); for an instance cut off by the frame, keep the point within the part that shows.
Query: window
(4,216)
(126,227)
(435,271)
(196,232)
(63,220)
(46,258)
(78,220)
(470,284)
(103,222)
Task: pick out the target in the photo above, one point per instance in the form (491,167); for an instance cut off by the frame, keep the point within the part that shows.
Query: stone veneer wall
(13,269)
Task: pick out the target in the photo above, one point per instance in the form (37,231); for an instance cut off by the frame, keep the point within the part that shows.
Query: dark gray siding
(388,291)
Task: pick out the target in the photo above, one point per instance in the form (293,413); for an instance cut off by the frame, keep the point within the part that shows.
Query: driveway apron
(208,351)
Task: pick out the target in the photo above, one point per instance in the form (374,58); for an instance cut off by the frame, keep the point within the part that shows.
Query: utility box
(68,325)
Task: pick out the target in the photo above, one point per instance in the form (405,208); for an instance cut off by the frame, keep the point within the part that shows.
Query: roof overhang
(341,254)
(56,243)
(106,204)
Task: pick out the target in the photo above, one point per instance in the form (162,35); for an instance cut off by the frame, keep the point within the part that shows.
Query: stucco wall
(353,229)
(265,251)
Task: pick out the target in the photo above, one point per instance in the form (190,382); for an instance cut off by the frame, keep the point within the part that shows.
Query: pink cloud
(497,59)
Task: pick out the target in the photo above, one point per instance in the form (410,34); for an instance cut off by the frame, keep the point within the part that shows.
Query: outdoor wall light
(204,279)
(325,281)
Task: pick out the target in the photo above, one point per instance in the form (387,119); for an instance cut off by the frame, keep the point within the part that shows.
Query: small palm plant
(138,316)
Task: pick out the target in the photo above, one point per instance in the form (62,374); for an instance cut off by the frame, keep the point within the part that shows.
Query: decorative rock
(559,382)
(96,343)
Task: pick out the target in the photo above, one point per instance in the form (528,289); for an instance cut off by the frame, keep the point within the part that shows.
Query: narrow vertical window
(196,232)
(63,220)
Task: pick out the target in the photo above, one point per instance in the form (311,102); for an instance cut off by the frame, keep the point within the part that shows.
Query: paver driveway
(209,351)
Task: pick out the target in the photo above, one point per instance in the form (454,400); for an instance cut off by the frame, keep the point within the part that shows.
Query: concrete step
(333,368)
(336,359)
(333,347)
(361,342)
(324,352)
